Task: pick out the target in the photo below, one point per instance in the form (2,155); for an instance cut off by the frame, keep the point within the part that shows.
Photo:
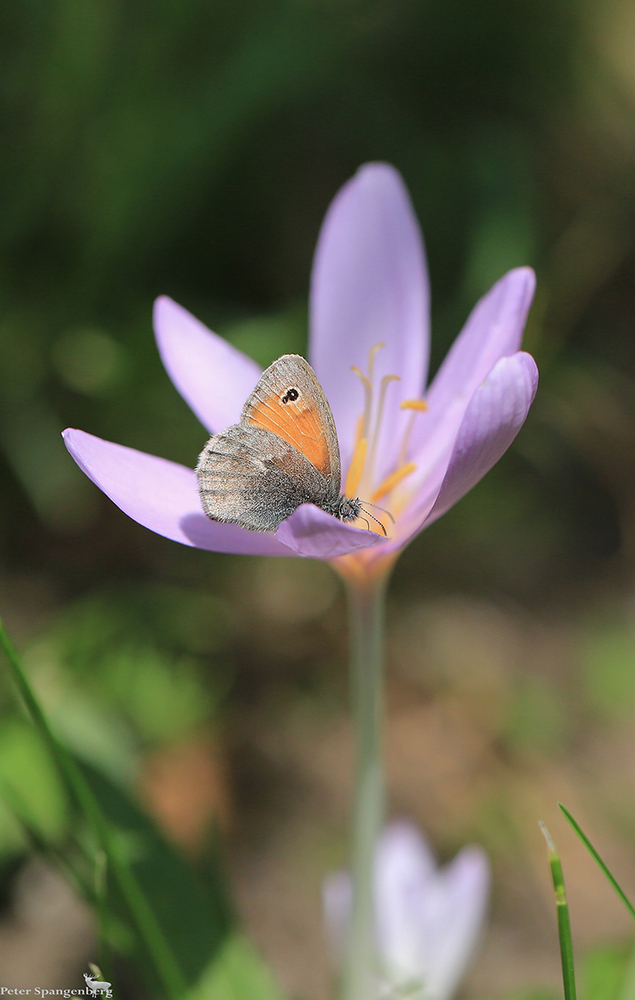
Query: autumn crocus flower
(427,919)
(413,451)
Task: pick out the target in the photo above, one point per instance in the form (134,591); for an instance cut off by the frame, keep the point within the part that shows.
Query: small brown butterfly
(283,453)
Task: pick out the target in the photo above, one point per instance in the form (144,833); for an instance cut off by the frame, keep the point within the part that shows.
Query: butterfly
(284,452)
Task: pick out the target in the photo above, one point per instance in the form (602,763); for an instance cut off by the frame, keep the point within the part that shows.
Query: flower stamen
(385,382)
(393,480)
(371,358)
(359,478)
(368,402)
(359,429)
(415,406)
(355,469)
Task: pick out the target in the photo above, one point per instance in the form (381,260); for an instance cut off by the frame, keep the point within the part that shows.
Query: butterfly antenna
(376,520)
(377,507)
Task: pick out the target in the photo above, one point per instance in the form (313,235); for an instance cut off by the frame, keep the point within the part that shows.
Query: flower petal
(213,377)
(312,532)
(369,285)
(162,496)
(493,330)
(427,919)
(337,902)
(453,922)
(461,453)
(403,868)
(495,414)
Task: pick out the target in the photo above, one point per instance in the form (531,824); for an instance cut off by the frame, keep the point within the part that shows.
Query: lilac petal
(493,330)
(162,496)
(428,918)
(496,412)
(403,867)
(369,285)
(337,901)
(213,377)
(313,533)
(466,452)
(454,919)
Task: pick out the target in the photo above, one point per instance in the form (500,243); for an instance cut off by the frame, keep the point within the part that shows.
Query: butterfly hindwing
(250,476)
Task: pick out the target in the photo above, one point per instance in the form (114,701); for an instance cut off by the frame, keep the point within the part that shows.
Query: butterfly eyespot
(290,396)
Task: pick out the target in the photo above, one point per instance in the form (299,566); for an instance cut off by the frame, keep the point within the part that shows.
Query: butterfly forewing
(289,402)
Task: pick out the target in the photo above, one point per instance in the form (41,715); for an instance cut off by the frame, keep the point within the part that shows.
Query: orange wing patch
(296,421)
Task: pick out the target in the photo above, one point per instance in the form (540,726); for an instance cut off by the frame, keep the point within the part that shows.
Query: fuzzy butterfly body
(283,453)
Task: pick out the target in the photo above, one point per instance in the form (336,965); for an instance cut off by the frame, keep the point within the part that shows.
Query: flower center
(361,478)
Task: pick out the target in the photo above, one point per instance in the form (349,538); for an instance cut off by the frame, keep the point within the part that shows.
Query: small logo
(97,987)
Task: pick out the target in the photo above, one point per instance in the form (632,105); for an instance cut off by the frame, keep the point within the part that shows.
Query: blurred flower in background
(428,918)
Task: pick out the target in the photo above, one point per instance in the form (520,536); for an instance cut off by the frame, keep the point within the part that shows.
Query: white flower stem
(366,605)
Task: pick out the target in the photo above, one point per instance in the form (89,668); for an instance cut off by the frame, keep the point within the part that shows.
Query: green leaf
(79,790)
(604,974)
(596,857)
(192,912)
(238,973)
(27,771)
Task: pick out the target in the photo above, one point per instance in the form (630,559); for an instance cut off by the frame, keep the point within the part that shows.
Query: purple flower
(414,452)
(427,919)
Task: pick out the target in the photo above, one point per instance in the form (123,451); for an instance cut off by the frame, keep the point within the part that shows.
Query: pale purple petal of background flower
(337,901)
(405,867)
(428,919)
(454,919)
(213,377)
(312,532)
(162,496)
(369,285)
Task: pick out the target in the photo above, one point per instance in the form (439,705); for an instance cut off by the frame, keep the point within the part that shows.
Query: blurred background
(192,149)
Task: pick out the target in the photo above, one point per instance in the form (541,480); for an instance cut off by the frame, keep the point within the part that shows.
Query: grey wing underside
(251,477)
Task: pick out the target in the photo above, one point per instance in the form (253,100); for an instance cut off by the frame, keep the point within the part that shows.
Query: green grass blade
(564,925)
(141,914)
(594,854)
(39,845)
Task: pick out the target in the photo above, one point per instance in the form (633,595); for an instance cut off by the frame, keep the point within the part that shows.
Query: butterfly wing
(289,401)
(252,477)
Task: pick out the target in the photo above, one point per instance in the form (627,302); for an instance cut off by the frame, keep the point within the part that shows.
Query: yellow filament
(393,480)
(414,404)
(368,399)
(371,359)
(366,381)
(385,382)
(356,468)
(359,429)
